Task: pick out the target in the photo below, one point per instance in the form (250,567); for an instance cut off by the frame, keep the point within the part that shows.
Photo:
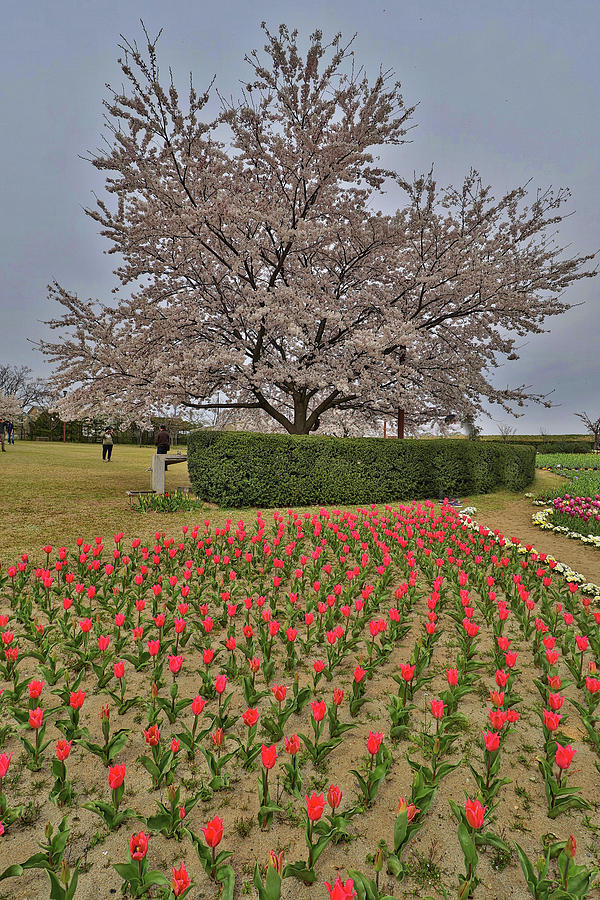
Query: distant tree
(18,381)
(593,426)
(506,431)
(261,274)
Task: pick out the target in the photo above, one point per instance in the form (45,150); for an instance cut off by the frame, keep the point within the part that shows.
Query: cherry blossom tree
(10,407)
(258,272)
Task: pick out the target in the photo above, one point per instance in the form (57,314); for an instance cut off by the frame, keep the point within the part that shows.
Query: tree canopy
(258,272)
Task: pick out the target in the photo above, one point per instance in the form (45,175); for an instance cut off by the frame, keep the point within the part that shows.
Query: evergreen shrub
(242,469)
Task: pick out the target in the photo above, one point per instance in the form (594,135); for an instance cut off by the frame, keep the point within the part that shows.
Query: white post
(157,477)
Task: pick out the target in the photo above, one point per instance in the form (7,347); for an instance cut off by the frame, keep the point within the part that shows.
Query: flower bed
(574,509)
(568,463)
(318,672)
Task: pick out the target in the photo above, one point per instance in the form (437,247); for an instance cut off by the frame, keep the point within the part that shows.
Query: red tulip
(292,744)
(250,717)
(181,880)
(409,808)
(475,813)
(555,701)
(437,709)
(119,670)
(334,796)
(551,720)
(452,677)
(491,740)
(497,718)
(341,890)
(269,755)
(138,846)
(315,804)
(279,692)
(407,671)
(564,756)
(4,763)
(103,642)
(318,710)
(35,689)
(175,663)
(501,678)
(63,748)
(198,704)
(359,674)
(77,698)
(592,685)
(374,742)
(36,717)
(152,736)
(213,832)
(116,777)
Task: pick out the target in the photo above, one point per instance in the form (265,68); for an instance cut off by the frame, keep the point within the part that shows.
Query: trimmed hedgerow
(241,469)
(565,447)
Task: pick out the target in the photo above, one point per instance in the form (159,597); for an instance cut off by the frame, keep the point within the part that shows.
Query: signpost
(158,466)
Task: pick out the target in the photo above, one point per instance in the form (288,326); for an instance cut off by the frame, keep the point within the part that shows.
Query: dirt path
(514,519)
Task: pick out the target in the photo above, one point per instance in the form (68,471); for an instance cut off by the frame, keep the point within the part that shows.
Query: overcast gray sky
(510,88)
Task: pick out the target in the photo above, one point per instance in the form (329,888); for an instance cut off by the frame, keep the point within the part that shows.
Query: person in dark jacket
(162,440)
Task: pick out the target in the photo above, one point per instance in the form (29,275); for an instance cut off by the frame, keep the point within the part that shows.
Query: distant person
(162,440)
(107,444)
(2,430)
(10,432)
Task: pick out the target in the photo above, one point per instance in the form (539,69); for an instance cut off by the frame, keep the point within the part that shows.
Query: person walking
(107,444)
(2,429)
(162,440)
(10,432)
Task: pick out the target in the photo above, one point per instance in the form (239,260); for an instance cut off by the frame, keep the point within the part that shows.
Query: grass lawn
(53,493)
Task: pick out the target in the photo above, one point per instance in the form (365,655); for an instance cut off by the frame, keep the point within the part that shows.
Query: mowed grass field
(52,493)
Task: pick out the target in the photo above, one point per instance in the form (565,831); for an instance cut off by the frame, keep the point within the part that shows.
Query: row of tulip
(333,613)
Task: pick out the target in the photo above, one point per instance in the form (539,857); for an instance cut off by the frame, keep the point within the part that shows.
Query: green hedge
(565,447)
(240,469)
(550,443)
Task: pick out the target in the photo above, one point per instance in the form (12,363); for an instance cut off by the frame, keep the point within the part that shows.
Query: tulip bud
(464,890)
(154,690)
(65,872)
(378,861)
(571,847)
